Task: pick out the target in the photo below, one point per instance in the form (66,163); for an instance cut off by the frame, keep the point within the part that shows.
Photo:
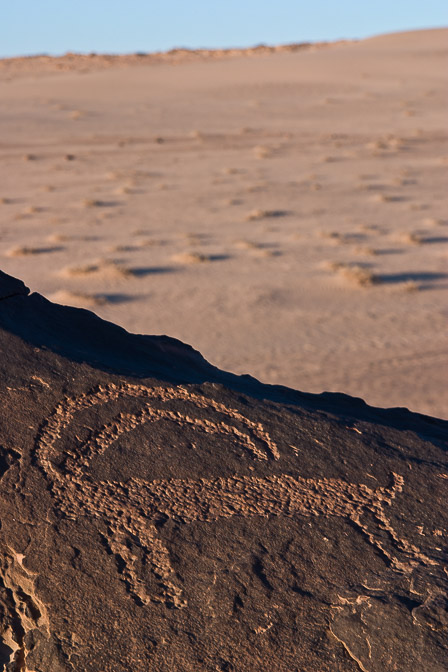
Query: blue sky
(117,26)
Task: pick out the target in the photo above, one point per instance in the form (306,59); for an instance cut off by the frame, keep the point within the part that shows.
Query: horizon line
(174,49)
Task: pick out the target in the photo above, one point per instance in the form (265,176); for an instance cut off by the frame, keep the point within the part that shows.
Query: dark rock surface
(160,514)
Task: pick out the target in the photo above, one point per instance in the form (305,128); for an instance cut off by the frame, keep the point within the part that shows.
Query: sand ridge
(39,64)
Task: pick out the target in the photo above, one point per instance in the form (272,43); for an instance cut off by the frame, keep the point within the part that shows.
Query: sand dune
(313,174)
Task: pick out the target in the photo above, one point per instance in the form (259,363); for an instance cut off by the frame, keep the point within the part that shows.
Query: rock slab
(160,514)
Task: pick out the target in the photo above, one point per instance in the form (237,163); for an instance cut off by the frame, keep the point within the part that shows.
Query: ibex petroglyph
(132,508)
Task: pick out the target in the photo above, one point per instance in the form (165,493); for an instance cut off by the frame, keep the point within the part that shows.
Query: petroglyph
(132,508)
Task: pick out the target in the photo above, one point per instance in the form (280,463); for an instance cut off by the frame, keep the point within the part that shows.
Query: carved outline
(130,507)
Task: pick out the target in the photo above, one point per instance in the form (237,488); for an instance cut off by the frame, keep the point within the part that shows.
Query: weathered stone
(160,514)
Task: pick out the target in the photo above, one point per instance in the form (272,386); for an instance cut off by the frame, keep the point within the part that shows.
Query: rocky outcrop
(160,514)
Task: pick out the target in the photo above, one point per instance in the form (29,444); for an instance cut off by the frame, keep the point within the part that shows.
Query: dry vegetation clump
(264,214)
(246,245)
(231,171)
(433,221)
(402,181)
(32,210)
(359,275)
(103,267)
(390,142)
(22,251)
(121,248)
(255,249)
(104,214)
(418,206)
(189,258)
(334,236)
(372,186)
(262,152)
(355,273)
(263,252)
(58,238)
(78,299)
(113,175)
(149,242)
(368,228)
(91,203)
(376,144)
(370,251)
(121,191)
(395,142)
(385,198)
(253,188)
(192,239)
(411,238)
(410,286)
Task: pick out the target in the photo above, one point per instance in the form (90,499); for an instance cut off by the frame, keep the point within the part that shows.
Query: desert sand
(281,210)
